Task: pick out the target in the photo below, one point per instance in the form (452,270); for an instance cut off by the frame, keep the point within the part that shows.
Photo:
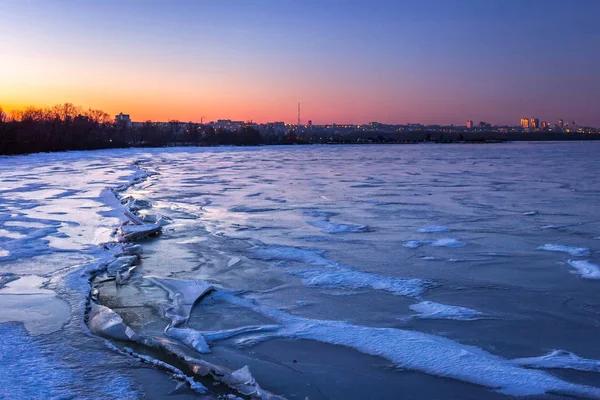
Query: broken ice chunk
(106,323)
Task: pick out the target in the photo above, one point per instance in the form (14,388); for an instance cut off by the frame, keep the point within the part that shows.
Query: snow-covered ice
(574,251)
(434,229)
(586,269)
(560,359)
(433,310)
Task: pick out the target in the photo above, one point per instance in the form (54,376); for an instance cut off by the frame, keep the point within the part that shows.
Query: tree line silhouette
(69,127)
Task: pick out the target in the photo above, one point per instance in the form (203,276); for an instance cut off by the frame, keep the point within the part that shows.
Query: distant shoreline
(180,145)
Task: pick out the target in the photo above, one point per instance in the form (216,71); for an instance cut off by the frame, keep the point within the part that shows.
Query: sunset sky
(345,61)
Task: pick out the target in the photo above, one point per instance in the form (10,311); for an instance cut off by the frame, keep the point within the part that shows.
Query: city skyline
(525,122)
(429,62)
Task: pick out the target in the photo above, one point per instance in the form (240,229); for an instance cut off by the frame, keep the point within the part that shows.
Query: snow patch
(586,269)
(434,229)
(347,278)
(574,251)
(560,359)
(432,310)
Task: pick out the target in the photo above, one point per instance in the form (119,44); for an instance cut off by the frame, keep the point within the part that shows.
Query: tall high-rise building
(534,123)
(525,123)
(561,123)
(469,124)
(545,125)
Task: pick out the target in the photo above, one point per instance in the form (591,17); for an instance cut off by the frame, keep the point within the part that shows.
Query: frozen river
(332,272)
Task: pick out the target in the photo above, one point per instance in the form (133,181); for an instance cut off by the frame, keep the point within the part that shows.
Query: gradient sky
(345,61)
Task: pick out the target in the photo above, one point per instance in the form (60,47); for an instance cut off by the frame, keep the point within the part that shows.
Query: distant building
(123,119)
(310,123)
(469,124)
(525,123)
(534,123)
(561,123)
(545,125)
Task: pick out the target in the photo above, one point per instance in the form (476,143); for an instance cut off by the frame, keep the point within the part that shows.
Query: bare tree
(98,116)
(16,115)
(66,112)
(3,116)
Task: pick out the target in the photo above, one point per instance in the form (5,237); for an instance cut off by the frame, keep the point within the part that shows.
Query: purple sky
(429,61)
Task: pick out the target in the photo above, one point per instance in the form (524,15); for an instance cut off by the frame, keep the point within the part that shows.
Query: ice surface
(443,242)
(288,253)
(184,294)
(574,251)
(190,337)
(413,244)
(54,208)
(432,310)
(320,214)
(434,229)
(40,310)
(334,228)
(175,372)
(38,370)
(136,232)
(346,278)
(586,269)
(447,242)
(337,275)
(418,351)
(246,209)
(560,359)
(121,264)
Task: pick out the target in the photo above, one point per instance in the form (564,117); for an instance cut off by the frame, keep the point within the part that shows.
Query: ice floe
(433,310)
(574,251)
(108,324)
(586,269)
(136,232)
